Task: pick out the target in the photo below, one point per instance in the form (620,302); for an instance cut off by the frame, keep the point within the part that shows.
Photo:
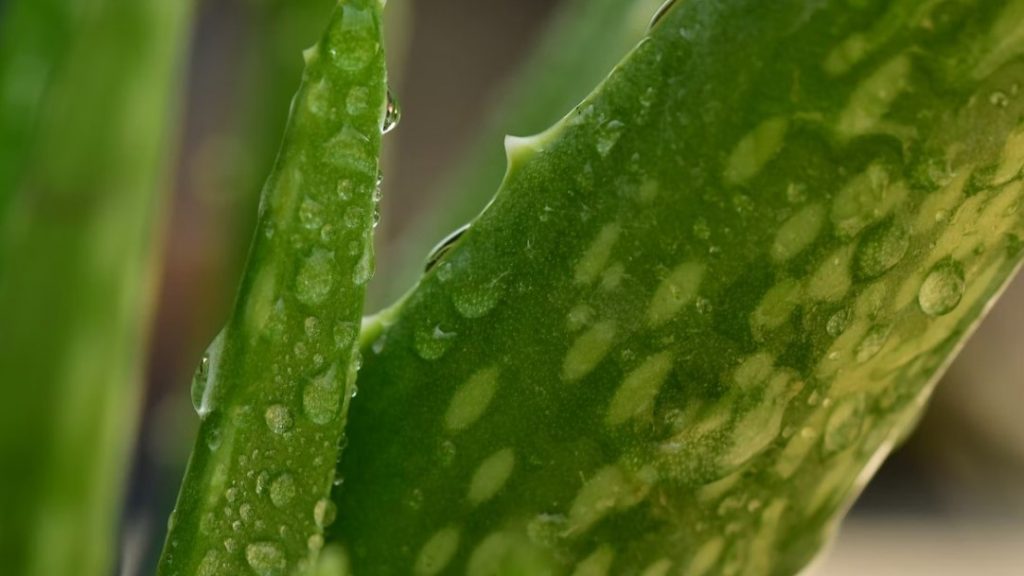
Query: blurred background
(951,501)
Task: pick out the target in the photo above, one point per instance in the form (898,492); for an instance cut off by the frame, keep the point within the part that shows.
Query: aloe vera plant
(86,126)
(273,387)
(700,311)
(704,306)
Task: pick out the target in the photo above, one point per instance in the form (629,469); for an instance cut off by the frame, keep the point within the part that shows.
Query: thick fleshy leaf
(705,305)
(274,387)
(585,39)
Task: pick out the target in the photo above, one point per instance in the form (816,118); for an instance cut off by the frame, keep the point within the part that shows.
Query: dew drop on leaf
(882,248)
(316,278)
(278,418)
(608,136)
(324,512)
(432,342)
(204,379)
(838,323)
(211,565)
(873,342)
(392,114)
(282,490)
(199,381)
(942,289)
(478,299)
(321,398)
(365,267)
(266,558)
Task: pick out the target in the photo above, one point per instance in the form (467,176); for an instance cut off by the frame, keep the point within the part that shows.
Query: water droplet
(266,558)
(316,278)
(392,114)
(873,342)
(262,481)
(942,289)
(476,300)
(278,419)
(321,398)
(324,512)
(443,247)
(212,435)
(838,323)
(844,424)
(199,381)
(344,334)
(377,195)
(608,136)
(245,512)
(203,381)
(357,100)
(365,267)
(212,564)
(282,490)
(315,542)
(231,494)
(883,247)
(999,99)
(311,214)
(432,342)
(354,46)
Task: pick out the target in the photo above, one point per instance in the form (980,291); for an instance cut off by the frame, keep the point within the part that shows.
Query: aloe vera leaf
(90,104)
(33,36)
(273,388)
(269,69)
(704,306)
(585,39)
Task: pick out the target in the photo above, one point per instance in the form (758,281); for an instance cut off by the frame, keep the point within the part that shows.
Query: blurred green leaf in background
(90,116)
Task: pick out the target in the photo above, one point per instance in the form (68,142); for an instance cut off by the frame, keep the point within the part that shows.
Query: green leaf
(90,102)
(585,39)
(273,388)
(705,305)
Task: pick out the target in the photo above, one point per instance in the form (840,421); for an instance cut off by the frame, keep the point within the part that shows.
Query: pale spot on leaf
(471,400)
(588,350)
(599,563)
(608,490)
(596,257)
(437,552)
(797,233)
(872,98)
(755,150)
(491,476)
(677,290)
(635,397)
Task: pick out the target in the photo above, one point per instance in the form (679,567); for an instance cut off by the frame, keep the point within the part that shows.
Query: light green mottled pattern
(88,106)
(274,387)
(808,285)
